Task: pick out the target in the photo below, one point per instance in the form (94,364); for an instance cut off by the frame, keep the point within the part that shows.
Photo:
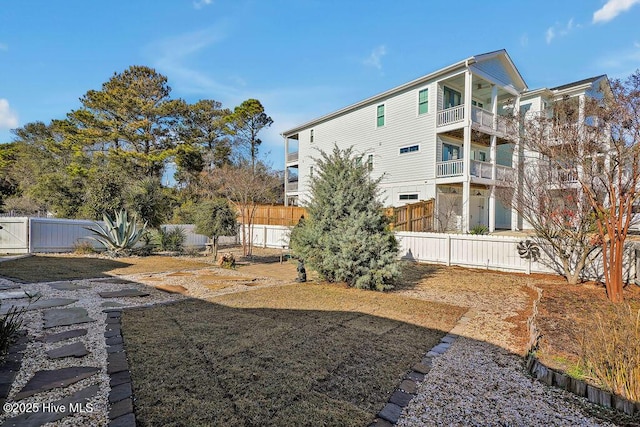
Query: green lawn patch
(289,355)
(49,268)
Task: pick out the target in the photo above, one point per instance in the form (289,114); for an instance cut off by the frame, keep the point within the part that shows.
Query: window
(423,101)
(451,98)
(450,152)
(410,149)
(477,104)
(311,136)
(370,162)
(359,161)
(380,115)
(482,156)
(413,196)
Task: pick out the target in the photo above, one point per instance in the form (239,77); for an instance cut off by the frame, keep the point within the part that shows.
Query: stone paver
(61,336)
(47,380)
(391,412)
(120,392)
(41,417)
(123,293)
(13,294)
(39,304)
(65,316)
(77,349)
(128,420)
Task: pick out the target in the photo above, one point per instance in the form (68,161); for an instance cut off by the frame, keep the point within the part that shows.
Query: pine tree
(346,236)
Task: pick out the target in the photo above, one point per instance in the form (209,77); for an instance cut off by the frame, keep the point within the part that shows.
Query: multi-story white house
(443,136)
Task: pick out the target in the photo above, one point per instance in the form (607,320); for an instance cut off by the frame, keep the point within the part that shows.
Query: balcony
(292,157)
(479,169)
(479,117)
(292,186)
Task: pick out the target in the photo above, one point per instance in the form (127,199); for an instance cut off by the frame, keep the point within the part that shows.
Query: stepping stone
(65,316)
(13,294)
(7,286)
(35,419)
(111,304)
(47,380)
(77,349)
(66,286)
(400,398)
(117,362)
(173,289)
(114,280)
(120,392)
(64,335)
(391,412)
(123,293)
(40,304)
(123,407)
(121,377)
(128,420)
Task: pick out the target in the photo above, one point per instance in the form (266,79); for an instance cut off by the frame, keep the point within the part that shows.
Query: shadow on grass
(414,273)
(40,268)
(197,363)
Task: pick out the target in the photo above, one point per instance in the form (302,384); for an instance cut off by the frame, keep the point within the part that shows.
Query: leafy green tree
(346,236)
(149,202)
(104,192)
(215,218)
(247,120)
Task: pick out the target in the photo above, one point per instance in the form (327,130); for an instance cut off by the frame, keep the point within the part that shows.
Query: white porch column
(493,159)
(466,150)
(286,169)
(515,163)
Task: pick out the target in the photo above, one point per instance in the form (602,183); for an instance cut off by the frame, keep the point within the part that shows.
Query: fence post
(409,218)
(448,247)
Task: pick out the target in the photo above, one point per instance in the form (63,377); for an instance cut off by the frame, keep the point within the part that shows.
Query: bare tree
(597,143)
(246,188)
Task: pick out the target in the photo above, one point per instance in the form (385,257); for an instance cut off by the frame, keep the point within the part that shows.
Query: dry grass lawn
(287,355)
(47,268)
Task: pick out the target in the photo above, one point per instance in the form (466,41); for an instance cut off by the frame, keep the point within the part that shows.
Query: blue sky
(301,58)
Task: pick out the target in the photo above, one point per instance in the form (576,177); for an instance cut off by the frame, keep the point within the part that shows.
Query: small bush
(479,229)
(227,260)
(10,325)
(610,350)
(171,240)
(81,247)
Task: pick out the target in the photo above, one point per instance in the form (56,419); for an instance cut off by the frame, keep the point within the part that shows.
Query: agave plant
(119,235)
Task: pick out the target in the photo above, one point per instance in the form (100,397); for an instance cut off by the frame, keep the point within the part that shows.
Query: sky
(301,58)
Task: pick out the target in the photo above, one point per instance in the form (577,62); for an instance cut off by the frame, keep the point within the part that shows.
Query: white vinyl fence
(37,235)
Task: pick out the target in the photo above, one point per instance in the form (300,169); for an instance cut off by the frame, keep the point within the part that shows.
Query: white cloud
(611,9)
(559,30)
(199,4)
(620,63)
(8,117)
(375,58)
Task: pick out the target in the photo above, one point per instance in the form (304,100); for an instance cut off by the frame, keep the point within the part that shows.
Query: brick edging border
(121,395)
(408,388)
(559,379)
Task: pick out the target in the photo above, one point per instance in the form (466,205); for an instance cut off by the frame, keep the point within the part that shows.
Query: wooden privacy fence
(277,215)
(412,217)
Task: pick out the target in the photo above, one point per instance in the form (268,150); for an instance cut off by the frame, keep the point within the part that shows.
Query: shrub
(10,325)
(227,260)
(479,229)
(611,350)
(119,235)
(82,247)
(171,240)
(215,218)
(346,237)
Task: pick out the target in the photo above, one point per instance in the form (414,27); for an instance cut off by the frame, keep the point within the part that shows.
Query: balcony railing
(451,115)
(292,186)
(482,117)
(479,169)
(292,157)
(564,176)
(450,168)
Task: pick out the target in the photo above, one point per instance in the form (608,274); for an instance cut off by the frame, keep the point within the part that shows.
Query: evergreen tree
(346,236)
(215,218)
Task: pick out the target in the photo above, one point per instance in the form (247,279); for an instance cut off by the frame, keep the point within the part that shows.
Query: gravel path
(481,380)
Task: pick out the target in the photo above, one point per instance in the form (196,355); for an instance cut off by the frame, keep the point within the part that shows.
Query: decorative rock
(47,380)
(33,419)
(111,304)
(77,349)
(66,286)
(65,316)
(415,376)
(120,392)
(400,398)
(123,407)
(391,412)
(128,420)
(422,368)
(51,338)
(117,362)
(123,293)
(408,386)
(120,378)
(441,348)
(173,289)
